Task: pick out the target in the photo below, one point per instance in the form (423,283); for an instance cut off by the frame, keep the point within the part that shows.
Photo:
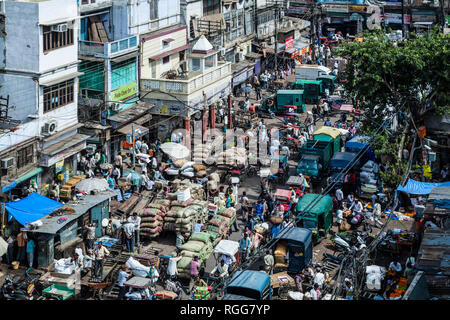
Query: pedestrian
(30,252)
(395,266)
(245,203)
(339,195)
(172,270)
(21,246)
(244,246)
(258,210)
(128,229)
(194,266)
(10,251)
(124,274)
(136,221)
(90,235)
(100,253)
(258,93)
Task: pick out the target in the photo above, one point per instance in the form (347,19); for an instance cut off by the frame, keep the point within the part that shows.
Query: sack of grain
(173,172)
(179,163)
(200,236)
(281,248)
(182,203)
(169,226)
(193,246)
(199,167)
(201,174)
(171,196)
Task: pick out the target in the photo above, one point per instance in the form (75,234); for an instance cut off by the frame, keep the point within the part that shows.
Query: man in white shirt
(339,195)
(128,229)
(221,270)
(377,214)
(357,206)
(319,278)
(100,253)
(396,266)
(124,274)
(136,221)
(172,270)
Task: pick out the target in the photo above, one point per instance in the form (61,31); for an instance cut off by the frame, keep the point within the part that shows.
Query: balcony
(107,49)
(87,5)
(193,82)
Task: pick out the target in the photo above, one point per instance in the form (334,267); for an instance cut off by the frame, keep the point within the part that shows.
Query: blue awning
(417,187)
(31,208)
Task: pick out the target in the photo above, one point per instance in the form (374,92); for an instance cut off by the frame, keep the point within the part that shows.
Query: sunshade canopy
(417,187)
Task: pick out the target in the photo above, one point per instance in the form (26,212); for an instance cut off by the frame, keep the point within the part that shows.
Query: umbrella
(175,150)
(135,177)
(106,166)
(88,185)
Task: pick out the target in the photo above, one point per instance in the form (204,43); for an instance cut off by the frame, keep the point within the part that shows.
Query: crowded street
(310,166)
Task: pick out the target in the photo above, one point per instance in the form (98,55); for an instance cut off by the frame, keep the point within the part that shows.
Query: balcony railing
(93,4)
(191,85)
(107,49)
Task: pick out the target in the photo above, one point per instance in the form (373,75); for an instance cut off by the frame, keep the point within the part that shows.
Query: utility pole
(132,142)
(276,37)
(312,26)
(403,19)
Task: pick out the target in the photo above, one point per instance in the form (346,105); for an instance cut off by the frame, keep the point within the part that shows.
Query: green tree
(412,76)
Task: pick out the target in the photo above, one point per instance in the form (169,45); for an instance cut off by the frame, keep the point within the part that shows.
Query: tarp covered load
(417,187)
(32,208)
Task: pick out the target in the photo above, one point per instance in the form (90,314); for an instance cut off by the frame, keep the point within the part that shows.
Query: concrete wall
(153,47)
(192,8)
(24,133)
(22,93)
(21,49)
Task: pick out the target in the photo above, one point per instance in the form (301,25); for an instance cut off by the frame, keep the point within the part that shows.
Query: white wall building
(38,60)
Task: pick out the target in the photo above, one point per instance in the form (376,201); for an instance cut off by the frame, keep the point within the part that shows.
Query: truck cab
(314,159)
(285,101)
(249,285)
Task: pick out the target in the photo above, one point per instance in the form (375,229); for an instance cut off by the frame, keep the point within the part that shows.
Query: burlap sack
(199,167)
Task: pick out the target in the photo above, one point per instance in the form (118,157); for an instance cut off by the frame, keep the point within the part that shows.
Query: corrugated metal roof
(51,225)
(441,193)
(434,251)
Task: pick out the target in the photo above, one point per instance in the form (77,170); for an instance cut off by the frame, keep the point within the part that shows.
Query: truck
(313,89)
(310,71)
(284,101)
(339,162)
(249,285)
(315,158)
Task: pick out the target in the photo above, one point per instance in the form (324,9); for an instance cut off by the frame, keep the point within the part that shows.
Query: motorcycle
(24,289)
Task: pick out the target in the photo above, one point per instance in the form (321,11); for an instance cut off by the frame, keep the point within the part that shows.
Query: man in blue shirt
(123,276)
(258,209)
(30,252)
(244,246)
(328,123)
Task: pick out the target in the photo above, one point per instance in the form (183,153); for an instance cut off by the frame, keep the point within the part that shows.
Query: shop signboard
(289,43)
(357,8)
(124,92)
(239,78)
(343,8)
(423,16)
(59,166)
(294,54)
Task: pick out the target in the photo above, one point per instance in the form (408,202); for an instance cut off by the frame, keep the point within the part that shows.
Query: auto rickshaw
(315,212)
(328,82)
(313,90)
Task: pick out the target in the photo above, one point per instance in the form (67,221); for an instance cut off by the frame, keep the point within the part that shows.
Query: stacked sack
(280,254)
(152,218)
(217,228)
(197,191)
(199,244)
(228,215)
(183,217)
(200,170)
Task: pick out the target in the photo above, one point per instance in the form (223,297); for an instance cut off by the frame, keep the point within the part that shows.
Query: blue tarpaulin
(417,187)
(31,208)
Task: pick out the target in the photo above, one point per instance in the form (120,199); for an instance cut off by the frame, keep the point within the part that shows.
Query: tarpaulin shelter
(418,187)
(31,208)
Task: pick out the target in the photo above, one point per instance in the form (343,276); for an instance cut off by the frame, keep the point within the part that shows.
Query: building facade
(42,84)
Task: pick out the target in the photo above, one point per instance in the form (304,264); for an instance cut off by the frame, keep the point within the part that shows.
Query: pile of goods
(280,254)
(152,218)
(187,169)
(219,225)
(199,245)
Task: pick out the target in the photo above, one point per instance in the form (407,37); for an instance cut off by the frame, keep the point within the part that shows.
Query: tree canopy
(413,76)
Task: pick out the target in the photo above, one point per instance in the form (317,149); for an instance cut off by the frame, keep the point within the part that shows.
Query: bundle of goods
(152,218)
(236,156)
(197,191)
(184,221)
(280,254)
(261,228)
(217,228)
(202,293)
(374,276)
(139,270)
(201,248)
(201,152)
(165,295)
(228,215)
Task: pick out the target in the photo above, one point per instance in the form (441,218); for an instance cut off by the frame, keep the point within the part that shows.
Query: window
(58,95)
(165,44)
(166,60)
(209,61)
(25,156)
(196,65)
(54,40)
(211,7)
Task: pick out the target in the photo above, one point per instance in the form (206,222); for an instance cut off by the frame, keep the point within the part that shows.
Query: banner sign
(123,92)
(289,43)
(335,8)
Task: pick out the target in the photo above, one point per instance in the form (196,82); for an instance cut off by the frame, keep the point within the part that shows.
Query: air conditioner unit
(115,106)
(7,163)
(62,27)
(50,127)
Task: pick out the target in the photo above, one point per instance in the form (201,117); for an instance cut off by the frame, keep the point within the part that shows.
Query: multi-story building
(38,72)
(191,83)
(109,88)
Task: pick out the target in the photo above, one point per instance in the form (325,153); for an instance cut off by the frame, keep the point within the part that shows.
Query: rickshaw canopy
(283,193)
(321,206)
(329,131)
(227,247)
